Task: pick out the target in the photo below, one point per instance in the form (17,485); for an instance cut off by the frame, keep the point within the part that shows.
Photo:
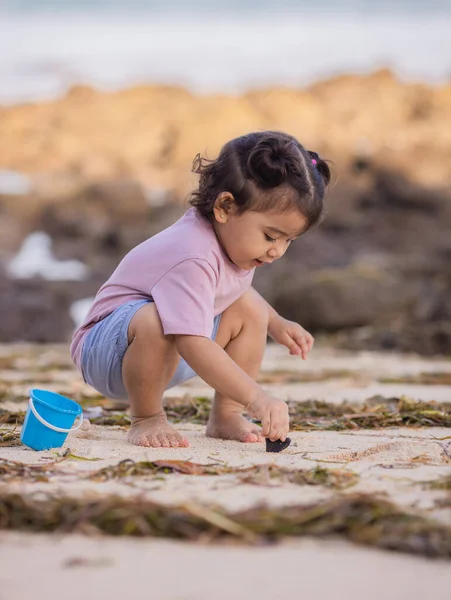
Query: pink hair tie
(313,161)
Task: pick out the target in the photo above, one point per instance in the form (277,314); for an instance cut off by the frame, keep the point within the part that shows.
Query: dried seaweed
(121,420)
(14,418)
(433,378)
(107,404)
(286,376)
(9,437)
(330,478)
(377,412)
(309,415)
(362,519)
(442,483)
(258,474)
(130,468)
(9,394)
(11,469)
(194,410)
(72,456)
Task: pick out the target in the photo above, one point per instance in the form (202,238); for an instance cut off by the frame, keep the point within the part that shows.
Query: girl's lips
(259,263)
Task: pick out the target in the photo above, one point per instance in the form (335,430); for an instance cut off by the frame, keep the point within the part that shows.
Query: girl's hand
(292,335)
(273,415)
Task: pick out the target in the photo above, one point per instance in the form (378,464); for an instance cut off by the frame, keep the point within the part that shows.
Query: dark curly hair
(263,171)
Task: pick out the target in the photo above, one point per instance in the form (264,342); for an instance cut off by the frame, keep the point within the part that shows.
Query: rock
(152,133)
(108,170)
(429,339)
(98,224)
(340,298)
(37,310)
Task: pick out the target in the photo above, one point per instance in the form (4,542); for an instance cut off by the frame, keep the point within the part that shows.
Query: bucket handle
(49,425)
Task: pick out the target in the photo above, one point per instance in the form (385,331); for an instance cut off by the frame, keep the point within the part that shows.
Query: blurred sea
(215,45)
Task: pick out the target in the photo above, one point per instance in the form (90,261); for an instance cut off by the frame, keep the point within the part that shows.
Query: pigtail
(320,166)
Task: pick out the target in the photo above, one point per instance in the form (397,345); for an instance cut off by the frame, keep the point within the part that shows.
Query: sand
(394,463)
(81,568)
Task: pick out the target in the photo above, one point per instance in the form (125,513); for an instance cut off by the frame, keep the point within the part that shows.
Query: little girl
(181,303)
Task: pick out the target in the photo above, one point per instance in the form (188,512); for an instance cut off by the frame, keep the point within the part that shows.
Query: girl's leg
(242,333)
(149,363)
(152,358)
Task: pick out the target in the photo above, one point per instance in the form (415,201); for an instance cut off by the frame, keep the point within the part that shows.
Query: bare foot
(155,431)
(231,425)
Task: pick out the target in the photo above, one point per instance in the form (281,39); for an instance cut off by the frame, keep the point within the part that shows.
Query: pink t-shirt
(183,269)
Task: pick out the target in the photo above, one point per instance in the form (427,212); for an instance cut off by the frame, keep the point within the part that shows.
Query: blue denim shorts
(104,349)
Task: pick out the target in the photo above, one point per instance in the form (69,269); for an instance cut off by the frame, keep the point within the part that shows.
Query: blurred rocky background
(91,172)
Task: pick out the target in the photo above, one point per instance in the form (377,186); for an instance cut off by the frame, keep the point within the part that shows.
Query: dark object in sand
(277,445)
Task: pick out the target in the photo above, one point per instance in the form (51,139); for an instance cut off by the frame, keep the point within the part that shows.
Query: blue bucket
(49,419)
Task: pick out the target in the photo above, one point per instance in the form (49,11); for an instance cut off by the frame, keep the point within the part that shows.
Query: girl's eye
(270,239)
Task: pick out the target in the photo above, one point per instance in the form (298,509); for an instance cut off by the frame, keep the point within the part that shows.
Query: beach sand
(393,463)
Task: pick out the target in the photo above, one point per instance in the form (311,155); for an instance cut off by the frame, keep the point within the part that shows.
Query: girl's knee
(146,324)
(247,311)
(253,308)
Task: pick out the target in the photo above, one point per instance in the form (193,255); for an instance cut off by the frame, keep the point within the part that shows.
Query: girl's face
(254,239)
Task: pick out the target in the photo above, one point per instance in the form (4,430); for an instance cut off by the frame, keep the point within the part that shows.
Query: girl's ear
(224,207)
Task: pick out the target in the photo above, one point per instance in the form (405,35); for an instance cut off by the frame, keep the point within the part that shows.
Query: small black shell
(277,445)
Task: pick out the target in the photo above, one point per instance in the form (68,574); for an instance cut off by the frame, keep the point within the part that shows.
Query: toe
(249,437)
(138,440)
(182,442)
(258,433)
(173,440)
(163,439)
(154,442)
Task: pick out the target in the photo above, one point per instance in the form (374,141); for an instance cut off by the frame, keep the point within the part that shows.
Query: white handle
(49,425)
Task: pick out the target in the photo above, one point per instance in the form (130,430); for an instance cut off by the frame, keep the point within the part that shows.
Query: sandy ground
(76,567)
(394,463)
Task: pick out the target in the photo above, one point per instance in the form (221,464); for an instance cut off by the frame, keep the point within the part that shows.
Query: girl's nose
(272,253)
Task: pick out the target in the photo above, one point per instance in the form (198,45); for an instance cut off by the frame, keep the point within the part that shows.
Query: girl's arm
(215,366)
